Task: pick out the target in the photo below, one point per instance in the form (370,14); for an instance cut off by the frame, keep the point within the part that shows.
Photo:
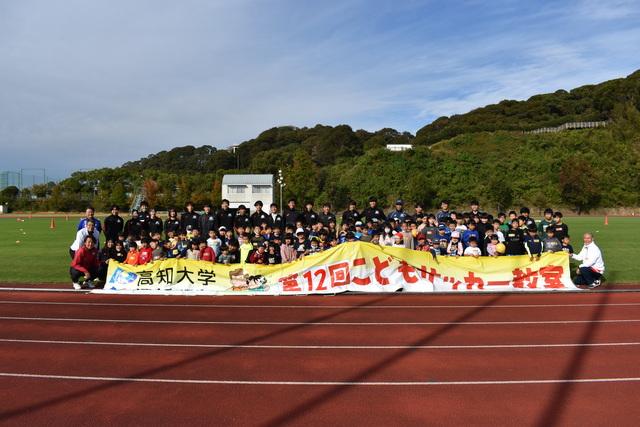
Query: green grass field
(42,254)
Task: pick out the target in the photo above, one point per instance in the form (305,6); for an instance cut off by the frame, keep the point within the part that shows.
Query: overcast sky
(87,84)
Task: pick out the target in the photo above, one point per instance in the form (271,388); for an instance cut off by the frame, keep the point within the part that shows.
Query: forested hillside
(482,154)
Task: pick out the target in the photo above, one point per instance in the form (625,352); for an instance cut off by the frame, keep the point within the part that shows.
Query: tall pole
(281,183)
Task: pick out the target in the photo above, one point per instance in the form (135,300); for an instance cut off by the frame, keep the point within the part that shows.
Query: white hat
(300,230)
(358,223)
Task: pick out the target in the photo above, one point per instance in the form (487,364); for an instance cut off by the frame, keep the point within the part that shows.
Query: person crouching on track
(592,267)
(85,264)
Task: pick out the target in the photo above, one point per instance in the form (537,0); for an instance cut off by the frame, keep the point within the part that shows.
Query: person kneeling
(85,265)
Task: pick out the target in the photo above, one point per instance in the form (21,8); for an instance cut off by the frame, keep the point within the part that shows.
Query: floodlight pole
(281,183)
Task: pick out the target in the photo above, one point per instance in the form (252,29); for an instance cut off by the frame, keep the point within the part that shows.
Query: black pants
(587,276)
(77,275)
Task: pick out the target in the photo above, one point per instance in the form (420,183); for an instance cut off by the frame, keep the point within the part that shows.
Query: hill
(478,155)
(586,103)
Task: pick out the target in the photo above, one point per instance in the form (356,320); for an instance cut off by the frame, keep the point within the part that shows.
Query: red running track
(500,359)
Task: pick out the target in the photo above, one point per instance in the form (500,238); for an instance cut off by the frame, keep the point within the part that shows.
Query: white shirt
(81,235)
(472,251)
(590,256)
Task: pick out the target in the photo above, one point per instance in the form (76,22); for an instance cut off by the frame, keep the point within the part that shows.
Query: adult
(154,223)
(133,226)
(81,235)
(208,221)
(351,215)
(259,217)
(326,216)
(373,211)
(172,224)
(189,218)
(443,214)
(85,264)
(275,219)
(143,215)
(398,213)
(89,215)
(591,267)
(291,214)
(113,224)
(225,215)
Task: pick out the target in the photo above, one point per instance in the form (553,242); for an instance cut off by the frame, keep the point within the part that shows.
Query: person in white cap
(591,267)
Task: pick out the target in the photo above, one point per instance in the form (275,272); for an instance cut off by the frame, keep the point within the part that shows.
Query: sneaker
(89,284)
(77,286)
(596,283)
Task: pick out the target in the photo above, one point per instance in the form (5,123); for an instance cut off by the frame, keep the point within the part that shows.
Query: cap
(421,236)
(258,203)
(374,220)
(222,227)
(358,223)
(300,230)
(455,235)
(442,227)
(399,202)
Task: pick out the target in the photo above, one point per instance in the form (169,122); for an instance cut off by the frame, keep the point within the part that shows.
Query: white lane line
(221,322)
(316,307)
(319,347)
(318,383)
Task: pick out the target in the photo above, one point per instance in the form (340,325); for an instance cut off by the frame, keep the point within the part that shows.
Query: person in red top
(259,256)
(85,263)
(146,253)
(206,252)
(133,256)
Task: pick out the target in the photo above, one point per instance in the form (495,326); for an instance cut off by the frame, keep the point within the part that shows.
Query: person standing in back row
(591,267)
(113,224)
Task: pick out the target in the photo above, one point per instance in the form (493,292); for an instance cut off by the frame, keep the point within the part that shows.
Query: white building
(399,147)
(248,189)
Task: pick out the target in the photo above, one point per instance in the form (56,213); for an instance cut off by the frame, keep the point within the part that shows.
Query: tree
(579,183)
(302,177)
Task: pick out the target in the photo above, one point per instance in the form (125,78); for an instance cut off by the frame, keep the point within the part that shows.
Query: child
(469,233)
(120,255)
(258,256)
(157,250)
(133,255)
(207,253)
(146,253)
(491,246)
(566,245)
(287,252)
(245,248)
(397,240)
(224,257)
(532,243)
(473,249)
(193,252)
(302,245)
(273,255)
(551,243)
(455,245)
(314,245)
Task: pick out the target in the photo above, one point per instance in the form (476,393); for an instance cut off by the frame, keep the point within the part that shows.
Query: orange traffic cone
(606,220)
(52,225)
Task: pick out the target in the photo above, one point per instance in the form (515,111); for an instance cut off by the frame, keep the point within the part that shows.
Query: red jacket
(85,260)
(145,256)
(207,254)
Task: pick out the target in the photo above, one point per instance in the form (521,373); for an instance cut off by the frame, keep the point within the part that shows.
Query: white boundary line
(214,322)
(320,347)
(317,383)
(316,307)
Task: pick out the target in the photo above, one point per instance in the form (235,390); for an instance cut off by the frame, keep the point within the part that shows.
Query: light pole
(282,184)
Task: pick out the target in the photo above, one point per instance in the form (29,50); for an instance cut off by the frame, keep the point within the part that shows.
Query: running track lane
(108,398)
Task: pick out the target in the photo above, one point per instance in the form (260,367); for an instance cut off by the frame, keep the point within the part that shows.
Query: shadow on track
(6,415)
(309,405)
(552,413)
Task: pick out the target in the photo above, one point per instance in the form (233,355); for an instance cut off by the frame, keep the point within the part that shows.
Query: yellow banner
(357,266)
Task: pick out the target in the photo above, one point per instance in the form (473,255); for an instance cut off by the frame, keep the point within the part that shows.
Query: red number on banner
(318,273)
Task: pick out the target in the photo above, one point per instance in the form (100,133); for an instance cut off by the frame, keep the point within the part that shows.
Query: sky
(95,84)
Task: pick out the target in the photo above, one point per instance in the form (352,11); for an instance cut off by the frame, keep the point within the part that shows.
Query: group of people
(231,236)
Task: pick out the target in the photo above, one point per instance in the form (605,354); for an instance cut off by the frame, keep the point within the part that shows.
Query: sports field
(32,252)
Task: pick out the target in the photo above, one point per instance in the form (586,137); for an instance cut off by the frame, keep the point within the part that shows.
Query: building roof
(247,179)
